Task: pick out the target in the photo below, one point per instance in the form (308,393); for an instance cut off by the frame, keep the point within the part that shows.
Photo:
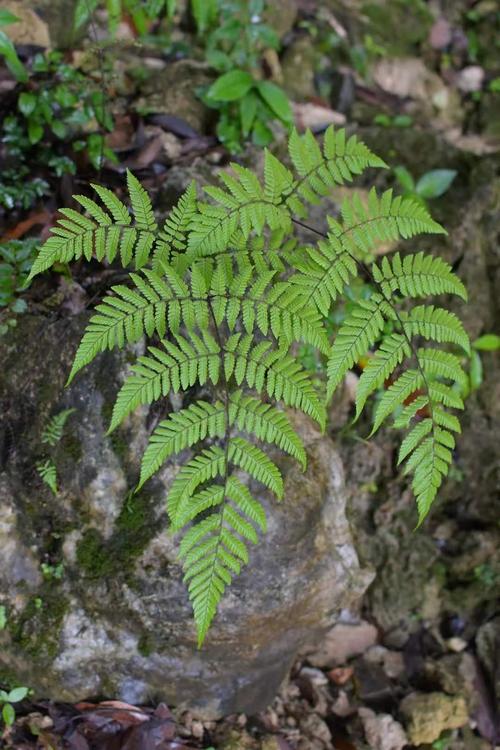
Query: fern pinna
(224,291)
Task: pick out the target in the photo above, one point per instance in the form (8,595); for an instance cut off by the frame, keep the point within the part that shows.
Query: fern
(53,432)
(223,292)
(48,474)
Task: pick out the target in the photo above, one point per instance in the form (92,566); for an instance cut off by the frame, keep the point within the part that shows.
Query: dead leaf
(35,219)
(173,124)
(315,117)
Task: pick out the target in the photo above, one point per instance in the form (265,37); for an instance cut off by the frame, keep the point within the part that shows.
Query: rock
(470,79)
(343,642)
(281,16)
(314,117)
(297,65)
(391,661)
(396,25)
(315,728)
(410,78)
(382,732)
(51,25)
(488,649)
(236,739)
(172,90)
(30,29)
(441,34)
(430,714)
(118,621)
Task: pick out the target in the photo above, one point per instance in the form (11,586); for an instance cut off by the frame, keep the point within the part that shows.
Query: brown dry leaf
(315,117)
(35,219)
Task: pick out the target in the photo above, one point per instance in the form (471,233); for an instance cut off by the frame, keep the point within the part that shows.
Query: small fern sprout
(223,292)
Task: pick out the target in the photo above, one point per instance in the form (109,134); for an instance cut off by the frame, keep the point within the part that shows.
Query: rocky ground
(414,661)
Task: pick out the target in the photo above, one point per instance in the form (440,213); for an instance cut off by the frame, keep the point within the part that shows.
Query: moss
(71,447)
(135,527)
(37,629)
(145,646)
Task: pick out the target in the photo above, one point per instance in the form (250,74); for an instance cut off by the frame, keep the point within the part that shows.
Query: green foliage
(54,118)
(225,292)
(431,185)
(7,699)
(16,260)
(142,12)
(235,36)
(52,435)
(7,49)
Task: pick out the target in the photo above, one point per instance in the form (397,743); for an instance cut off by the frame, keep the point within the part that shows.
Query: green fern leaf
(418,275)
(53,432)
(390,354)
(436,324)
(182,430)
(177,366)
(356,336)
(267,424)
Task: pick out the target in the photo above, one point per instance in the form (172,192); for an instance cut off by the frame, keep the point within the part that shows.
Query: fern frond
(141,204)
(243,205)
(274,371)
(436,324)
(319,171)
(267,423)
(177,366)
(53,432)
(396,395)
(173,237)
(255,300)
(381,220)
(182,430)
(393,349)
(48,474)
(207,465)
(128,314)
(357,334)
(104,235)
(417,275)
(323,272)
(251,459)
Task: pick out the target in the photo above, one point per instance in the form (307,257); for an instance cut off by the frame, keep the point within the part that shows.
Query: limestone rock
(297,66)
(30,29)
(172,89)
(45,23)
(430,714)
(342,642)
(118,622)
(382,732)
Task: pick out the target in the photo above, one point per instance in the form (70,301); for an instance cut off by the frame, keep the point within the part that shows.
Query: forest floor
(418,665)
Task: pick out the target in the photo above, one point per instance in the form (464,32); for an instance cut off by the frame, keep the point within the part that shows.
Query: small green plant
(490,342)
(16,260)
(246,103)
(7,49)
(431,185)
(52,572)
(7,699)
(142,12)
(51,435)
(225,291)
(3,617)
(49,127)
